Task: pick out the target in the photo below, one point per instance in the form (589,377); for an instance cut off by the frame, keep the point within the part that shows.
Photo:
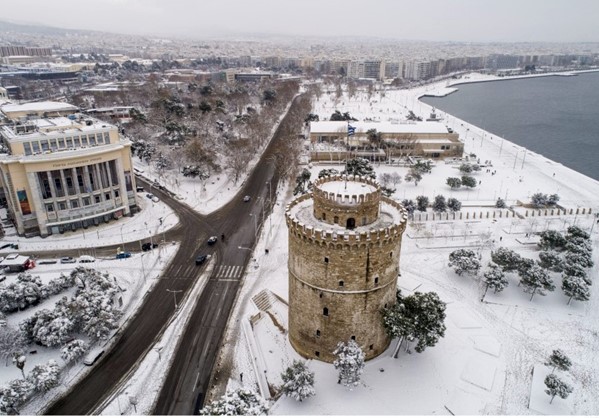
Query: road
(194,359)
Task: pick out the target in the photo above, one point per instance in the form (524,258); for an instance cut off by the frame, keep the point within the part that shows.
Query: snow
(539,400)
(347,188)
(403,126)
(39,107)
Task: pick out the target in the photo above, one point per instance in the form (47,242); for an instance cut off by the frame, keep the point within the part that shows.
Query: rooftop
(50,127)
(382,127)
(38,107)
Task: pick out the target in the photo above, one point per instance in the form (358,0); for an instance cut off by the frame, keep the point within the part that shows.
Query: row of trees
(439,204)
(28,291)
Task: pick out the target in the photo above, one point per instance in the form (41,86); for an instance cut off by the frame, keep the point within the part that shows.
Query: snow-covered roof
(17,261)
(347,187)
(328,127)
(38,107)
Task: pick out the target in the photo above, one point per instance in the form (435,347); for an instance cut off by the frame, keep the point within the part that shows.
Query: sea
(555,116)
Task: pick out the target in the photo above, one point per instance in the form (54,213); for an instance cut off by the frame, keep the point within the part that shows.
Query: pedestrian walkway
(226,273)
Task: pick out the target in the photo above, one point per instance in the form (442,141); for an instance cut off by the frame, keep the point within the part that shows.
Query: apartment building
(63,172)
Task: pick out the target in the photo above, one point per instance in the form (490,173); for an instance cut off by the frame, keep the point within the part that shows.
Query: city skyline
(436,20)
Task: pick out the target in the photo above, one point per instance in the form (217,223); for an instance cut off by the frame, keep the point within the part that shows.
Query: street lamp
(122,239)
(174,292)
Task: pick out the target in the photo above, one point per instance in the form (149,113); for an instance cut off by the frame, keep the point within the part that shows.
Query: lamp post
(122,239)
(174,292)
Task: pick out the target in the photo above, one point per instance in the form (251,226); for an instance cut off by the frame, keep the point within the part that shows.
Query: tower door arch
(351,223)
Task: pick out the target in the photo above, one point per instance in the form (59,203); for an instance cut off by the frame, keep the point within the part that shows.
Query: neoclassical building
(64,172)
(344,247)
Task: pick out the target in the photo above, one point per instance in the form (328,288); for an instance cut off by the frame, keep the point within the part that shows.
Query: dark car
(122,255)
(148,246)
(212,240)
(67,260)
(200,259)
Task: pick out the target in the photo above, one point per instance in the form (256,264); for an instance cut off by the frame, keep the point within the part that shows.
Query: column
(87,184)
(38,208)
(75,181)
(120,171)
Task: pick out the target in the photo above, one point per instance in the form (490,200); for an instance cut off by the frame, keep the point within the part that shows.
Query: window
(116,193)
(107,196)
(326,259)
(391,254)
(317,353)
(76,141)
(27,148)
(318,333)
(97,198)
(84,140)
(385,306)
(371,347)
(50,207)
(74,204)
(100,139)
(92,139)
(376,280)
(53,145)
(57,183)
(324,216)
(62,205)
(341,283)
(60,143)
(69,142)
(320,295)
(353,337)
(44,144)
(106,137)
(325,311)
(364,220)
(336,219)
(36,147)
(86,201)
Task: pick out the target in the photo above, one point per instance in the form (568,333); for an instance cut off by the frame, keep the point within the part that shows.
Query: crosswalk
(228,273)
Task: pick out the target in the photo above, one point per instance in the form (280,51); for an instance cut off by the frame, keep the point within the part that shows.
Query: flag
(350,130)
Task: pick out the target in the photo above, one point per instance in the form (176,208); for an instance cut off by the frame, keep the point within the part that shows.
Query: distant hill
(39,29)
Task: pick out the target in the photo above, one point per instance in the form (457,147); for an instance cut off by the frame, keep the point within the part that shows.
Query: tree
(12,343)
(349,362)
(552,240)
(298,381)
(413,175)
(536,280)
(374,137)
(409,206)
(468,181)
(302,182)
(551,260)
(14,395)
(576,231)
(494,278)
(508,260)
(466,168)
(559,360)
(359,167)
(422,203)
(575,288)
(197,155)
(575,270)
(555,386)
(327,172)
(464,261)
(384,179)
(240,402)
(454,182)
(454,204)
(73,350)
(500,204)
(420,316)
(44,377)
(439,205)
(582,259)
(395,178)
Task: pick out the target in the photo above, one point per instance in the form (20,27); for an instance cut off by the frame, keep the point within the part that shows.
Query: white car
(86,259)
(155,199)
(246,198)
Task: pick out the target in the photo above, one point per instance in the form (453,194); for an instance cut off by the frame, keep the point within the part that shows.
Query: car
(122,255)
(149,195)
(200,259)
(212,240)
(246,198)
(155,199)
(67,260)
(93,356)
(86,259)
(139,189)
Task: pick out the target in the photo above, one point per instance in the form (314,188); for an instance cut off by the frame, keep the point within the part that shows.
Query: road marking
(228,273)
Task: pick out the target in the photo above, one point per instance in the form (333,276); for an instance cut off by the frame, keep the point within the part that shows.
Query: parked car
(139,189)
(212,240)
(200,259)
(122,255)
(246,198)
(93,356)
(67,260)
(86,259)
(2,278)
(155,199)
(149,195)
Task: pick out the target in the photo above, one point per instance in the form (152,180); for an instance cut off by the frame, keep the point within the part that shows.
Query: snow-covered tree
(439,204)
(327,172)
(241,402)
(13,395)
(420,316)
(413,175)
(508,260)
(574,270)
(557,387)
(454,204)
(576,231)
(552,240)
(469,181)
(349,362)
(559,360)
(44,376)
(536,280)
(575,288)
(500,204)
(359,167)
(409,206)
(73,350)
(551,260)
(454,182)
(298,381)
(12,343)
(421,203)
(464,261)
(494,278)
(302,182)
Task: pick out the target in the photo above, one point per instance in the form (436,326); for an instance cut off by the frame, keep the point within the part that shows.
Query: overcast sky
(434,20)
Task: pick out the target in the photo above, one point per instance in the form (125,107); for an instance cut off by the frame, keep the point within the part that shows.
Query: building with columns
(64,173)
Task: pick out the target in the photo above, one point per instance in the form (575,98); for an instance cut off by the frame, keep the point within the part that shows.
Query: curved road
(190,372)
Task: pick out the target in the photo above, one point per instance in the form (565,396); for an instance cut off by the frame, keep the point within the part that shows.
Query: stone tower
(344,245)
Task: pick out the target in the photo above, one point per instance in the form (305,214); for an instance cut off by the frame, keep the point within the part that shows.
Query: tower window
(364,220)
(391,254)
(326,259)
(325,311)
(371,346)
(341,283)
(320,295)
(324,216)
(317,353)
(385,306)
(376,280)
(353,337)
(336,219)
(318,333)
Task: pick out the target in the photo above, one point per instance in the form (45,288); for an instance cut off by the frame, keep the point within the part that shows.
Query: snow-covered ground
(484,364)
